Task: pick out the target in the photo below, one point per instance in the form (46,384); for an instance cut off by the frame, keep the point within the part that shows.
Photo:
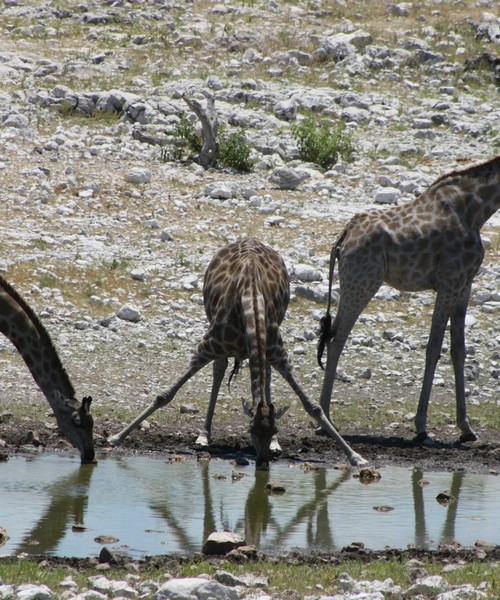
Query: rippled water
(51,504)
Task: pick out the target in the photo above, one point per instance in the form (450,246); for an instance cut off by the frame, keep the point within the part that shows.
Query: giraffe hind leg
(315,411)
(457,351)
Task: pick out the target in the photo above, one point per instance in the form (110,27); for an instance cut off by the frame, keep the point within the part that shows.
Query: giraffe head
(76,423)
(262,429)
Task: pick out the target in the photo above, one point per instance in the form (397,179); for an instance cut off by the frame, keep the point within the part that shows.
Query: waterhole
(148,506)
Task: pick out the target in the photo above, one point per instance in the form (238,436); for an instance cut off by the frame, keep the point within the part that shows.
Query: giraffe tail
(234,372)
(326,334)
(254,311)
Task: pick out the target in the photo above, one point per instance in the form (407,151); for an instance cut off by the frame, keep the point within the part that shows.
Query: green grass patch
(285,579)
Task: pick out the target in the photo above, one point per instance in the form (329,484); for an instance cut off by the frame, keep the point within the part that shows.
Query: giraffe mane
(491,165)
(42,332)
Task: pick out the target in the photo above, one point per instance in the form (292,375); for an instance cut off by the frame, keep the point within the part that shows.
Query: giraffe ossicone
(20,324)
(246,293)
(432,242)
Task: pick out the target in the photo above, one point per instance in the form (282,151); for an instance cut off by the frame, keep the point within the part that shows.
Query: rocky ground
(107,237)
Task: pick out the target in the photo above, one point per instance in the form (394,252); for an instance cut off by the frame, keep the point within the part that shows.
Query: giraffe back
(237,269)
(246,294)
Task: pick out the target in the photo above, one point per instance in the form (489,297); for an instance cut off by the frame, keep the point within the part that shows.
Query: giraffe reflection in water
(68,505)
(314,513)
(311,514)
(448,534)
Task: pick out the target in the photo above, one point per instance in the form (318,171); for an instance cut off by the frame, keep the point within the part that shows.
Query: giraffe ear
(279,413)
(86,402)
(247,408)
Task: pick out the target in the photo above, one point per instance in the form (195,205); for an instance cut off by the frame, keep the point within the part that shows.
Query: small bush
(186,142)
(235,152)
(321,144)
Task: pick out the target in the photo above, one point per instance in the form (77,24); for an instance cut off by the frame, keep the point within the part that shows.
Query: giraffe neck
(22,327)
(476,191)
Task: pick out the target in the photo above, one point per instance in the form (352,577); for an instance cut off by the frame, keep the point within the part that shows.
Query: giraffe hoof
(114,440)
(467,437)
(201,442)
(422,438)
(275,451)
(320,431)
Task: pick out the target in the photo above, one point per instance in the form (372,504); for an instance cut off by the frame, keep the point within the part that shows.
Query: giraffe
(432,242)
(246,294)
(19,323)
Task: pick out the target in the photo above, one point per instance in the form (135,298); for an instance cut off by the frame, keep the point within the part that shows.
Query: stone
(287,178)
(427,587)
(115,588)
(166,236)
(28,591)
(4,536)
(16,121)
(306,273)
(129,313)
(138,175)
(220,191)
(387,195)
(191,588)
(222,542)
(286,110)
(138,274)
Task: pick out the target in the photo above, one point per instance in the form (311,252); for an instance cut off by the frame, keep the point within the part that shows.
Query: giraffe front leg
(316,412)
(432,353)
(274,447)
(198,362)
(205,436)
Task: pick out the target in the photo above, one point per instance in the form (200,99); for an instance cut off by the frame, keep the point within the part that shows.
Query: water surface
(51,504)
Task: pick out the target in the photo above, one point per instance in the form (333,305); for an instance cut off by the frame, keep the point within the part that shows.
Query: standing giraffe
(432,242)
(21,326)
(246,294)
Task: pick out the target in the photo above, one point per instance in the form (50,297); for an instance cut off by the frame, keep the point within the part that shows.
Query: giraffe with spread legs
(19,323)
(432,242)
(246,294)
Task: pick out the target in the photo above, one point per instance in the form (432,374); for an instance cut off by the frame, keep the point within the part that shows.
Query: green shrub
(186,142)
(235,152)
(321,144)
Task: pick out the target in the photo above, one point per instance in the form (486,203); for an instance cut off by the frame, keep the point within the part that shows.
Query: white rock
(387,195)
(464,592)
(287,178)
(138,274)
(193,587)
(110,586)
(221,191)
(306,273)
(138,175)
(33,592)
(129,313)
(353,114)
(166,236)
(427,587)
(222,542)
